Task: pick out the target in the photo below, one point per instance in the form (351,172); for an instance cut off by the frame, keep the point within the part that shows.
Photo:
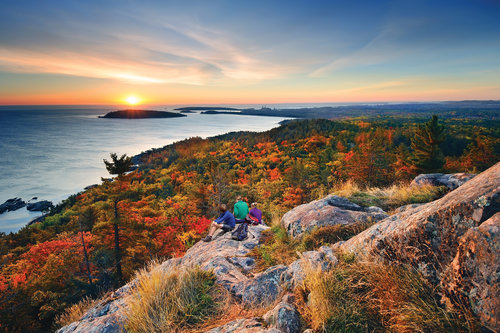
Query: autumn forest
(95,240)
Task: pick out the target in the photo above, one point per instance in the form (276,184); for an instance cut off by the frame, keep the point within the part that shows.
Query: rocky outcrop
(328,211)
(322,260)
(231,265)
(451,181)
(108,316)
(251,325)
(11,205)
(436,237)
(474,272)
(39,206)
(284,316)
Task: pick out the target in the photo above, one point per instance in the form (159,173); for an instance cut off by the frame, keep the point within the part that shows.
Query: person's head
(254,205)
(222,208)
(238,198)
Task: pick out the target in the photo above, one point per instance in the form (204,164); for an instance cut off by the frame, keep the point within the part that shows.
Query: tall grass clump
(389,197)
(376,297)
(173,301)
(75,312)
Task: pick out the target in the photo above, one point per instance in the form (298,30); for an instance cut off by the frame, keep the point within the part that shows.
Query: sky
(252,52)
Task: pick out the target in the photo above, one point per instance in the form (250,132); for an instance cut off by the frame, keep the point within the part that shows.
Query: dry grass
(76,311)
(374,297)
(331,235)
(389,197)
(233,312)
(174,301)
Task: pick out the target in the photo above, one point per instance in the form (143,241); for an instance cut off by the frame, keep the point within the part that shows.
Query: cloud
(146,51)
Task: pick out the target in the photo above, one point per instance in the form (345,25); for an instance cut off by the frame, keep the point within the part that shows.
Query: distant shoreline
(488,110)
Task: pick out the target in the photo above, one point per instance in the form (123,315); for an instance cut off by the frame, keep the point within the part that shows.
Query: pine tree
(427,154)
(118,166)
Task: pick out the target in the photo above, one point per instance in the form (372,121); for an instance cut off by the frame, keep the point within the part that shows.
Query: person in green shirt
(240,210)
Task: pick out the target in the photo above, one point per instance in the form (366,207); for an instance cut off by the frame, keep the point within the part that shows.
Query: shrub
(276,247)
(173,301)
(376,297)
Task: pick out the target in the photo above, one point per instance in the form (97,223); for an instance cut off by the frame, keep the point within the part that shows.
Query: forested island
(140,114)
(459,109)
(95,241)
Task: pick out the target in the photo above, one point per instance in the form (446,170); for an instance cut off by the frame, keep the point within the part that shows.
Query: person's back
(255,214)
(240,209)
(226,218)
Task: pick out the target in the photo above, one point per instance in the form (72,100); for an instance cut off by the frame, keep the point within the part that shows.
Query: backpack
(241,233)
(253,220)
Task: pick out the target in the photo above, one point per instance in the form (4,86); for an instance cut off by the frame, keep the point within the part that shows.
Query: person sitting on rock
(240,210)
(254,217)
(225,222)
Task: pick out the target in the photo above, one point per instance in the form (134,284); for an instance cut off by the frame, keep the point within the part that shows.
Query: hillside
(462,243)
(95,241)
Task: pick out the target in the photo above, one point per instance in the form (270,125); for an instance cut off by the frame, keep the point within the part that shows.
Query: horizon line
(263,104)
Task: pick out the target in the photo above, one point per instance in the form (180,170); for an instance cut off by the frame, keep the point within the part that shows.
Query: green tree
(118,166)
(427,154)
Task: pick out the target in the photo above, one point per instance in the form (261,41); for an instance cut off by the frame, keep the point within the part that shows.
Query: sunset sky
(195,52)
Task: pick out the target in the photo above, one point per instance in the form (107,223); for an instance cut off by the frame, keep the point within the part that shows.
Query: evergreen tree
(427,154)
(118,166)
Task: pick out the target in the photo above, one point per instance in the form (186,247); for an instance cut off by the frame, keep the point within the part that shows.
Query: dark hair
(222,208)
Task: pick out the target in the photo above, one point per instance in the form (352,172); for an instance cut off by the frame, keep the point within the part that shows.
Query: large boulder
(451,181)
(429,237)
(11,205)
(328,211)
(473,275)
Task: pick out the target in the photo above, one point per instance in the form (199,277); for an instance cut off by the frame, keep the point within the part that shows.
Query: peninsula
(141,114)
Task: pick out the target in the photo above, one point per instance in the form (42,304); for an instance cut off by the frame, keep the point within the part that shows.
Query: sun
(132,100)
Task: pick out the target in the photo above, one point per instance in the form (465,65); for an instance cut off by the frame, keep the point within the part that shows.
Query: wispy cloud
(159,53)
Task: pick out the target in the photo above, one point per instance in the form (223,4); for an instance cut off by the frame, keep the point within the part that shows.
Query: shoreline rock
(11,205)
(39,206)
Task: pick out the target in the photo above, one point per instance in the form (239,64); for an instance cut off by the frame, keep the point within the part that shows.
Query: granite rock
(328,211)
